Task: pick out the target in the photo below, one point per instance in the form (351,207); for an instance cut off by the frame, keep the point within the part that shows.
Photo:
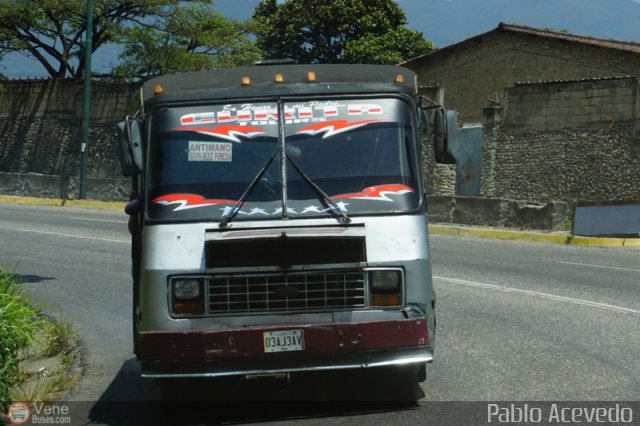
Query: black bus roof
(278,80)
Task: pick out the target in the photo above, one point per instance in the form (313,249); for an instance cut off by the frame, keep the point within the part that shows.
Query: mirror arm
(433,104)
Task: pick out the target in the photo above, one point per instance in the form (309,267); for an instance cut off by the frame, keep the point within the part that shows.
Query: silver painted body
(391,241)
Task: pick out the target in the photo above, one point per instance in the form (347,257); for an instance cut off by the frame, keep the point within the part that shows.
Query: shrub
(19,323)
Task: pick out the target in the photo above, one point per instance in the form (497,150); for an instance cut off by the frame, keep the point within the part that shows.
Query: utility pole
(86,101)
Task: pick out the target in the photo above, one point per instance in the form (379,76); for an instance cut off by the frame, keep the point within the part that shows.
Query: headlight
(186,289)
(385,286)
(385,281)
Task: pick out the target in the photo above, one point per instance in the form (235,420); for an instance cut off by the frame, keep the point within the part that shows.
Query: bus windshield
(206,161)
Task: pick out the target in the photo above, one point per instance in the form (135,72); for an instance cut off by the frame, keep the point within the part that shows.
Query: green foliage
(391,48)
(192,37)
(19,323)
(335,31)
(52,31)
(157,35)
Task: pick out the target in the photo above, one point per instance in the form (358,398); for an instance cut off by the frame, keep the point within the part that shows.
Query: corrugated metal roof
(577,80)
(611,44)
(627,46)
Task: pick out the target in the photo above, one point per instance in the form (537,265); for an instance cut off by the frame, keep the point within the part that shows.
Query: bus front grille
(300,291)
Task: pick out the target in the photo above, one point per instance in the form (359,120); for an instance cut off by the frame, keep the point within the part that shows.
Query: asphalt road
(516,322)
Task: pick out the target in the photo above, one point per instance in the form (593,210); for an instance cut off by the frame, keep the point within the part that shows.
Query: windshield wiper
(327,199)
(227,218)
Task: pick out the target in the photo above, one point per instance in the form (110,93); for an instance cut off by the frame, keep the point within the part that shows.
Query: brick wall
(573,104)
(571,141)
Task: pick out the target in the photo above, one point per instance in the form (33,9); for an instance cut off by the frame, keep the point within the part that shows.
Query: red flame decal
(334,127)
(230,133)
(378,192)
(188,201)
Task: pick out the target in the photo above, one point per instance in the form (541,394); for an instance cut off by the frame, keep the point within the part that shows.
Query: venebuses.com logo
(19,413)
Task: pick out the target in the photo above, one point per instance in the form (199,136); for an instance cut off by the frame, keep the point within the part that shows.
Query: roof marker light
(245,80)
(311,76)
(399,79)
(278,78)
(158,90)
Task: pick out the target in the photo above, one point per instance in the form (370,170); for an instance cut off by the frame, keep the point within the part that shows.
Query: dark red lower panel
(248,342)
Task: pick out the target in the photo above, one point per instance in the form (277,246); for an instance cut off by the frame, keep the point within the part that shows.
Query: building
(550,116)
(474,72)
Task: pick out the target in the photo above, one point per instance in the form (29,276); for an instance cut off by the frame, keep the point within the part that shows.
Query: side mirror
(447,136)
(130,151)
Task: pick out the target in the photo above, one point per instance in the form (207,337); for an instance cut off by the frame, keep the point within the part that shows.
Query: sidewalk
(434,228)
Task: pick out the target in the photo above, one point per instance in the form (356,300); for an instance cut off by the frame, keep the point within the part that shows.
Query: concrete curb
(536,236)
(604,242)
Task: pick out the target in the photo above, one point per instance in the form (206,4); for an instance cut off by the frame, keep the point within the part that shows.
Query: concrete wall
(63,187)
(549,216)
(476,71)
(40,126)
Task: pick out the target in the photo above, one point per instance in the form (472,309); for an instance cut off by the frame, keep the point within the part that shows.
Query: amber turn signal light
(188,308)
(385,300)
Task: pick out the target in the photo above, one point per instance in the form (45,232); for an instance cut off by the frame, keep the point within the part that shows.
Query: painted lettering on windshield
(306,112)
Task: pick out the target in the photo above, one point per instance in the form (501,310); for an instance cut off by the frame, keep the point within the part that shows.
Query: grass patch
(59,337)
(26,336)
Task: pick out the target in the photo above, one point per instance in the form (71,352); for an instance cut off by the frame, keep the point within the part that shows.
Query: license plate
(282,341)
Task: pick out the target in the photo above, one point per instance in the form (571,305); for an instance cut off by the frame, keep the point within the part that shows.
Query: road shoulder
(530,235)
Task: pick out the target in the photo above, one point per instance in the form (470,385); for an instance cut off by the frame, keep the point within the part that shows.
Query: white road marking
(99,220)
(59,234)
(555,297)
(599,266)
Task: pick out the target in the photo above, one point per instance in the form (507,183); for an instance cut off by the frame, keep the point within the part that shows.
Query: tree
(391,48)
(186,39)
(3,50)
(156,35)
(334,31)
(52,31)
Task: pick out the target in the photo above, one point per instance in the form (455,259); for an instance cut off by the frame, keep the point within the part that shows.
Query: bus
(279,222)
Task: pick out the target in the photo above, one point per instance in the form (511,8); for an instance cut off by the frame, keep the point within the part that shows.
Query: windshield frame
(412,148)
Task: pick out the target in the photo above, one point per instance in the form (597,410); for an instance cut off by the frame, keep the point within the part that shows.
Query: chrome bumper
(287,364)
